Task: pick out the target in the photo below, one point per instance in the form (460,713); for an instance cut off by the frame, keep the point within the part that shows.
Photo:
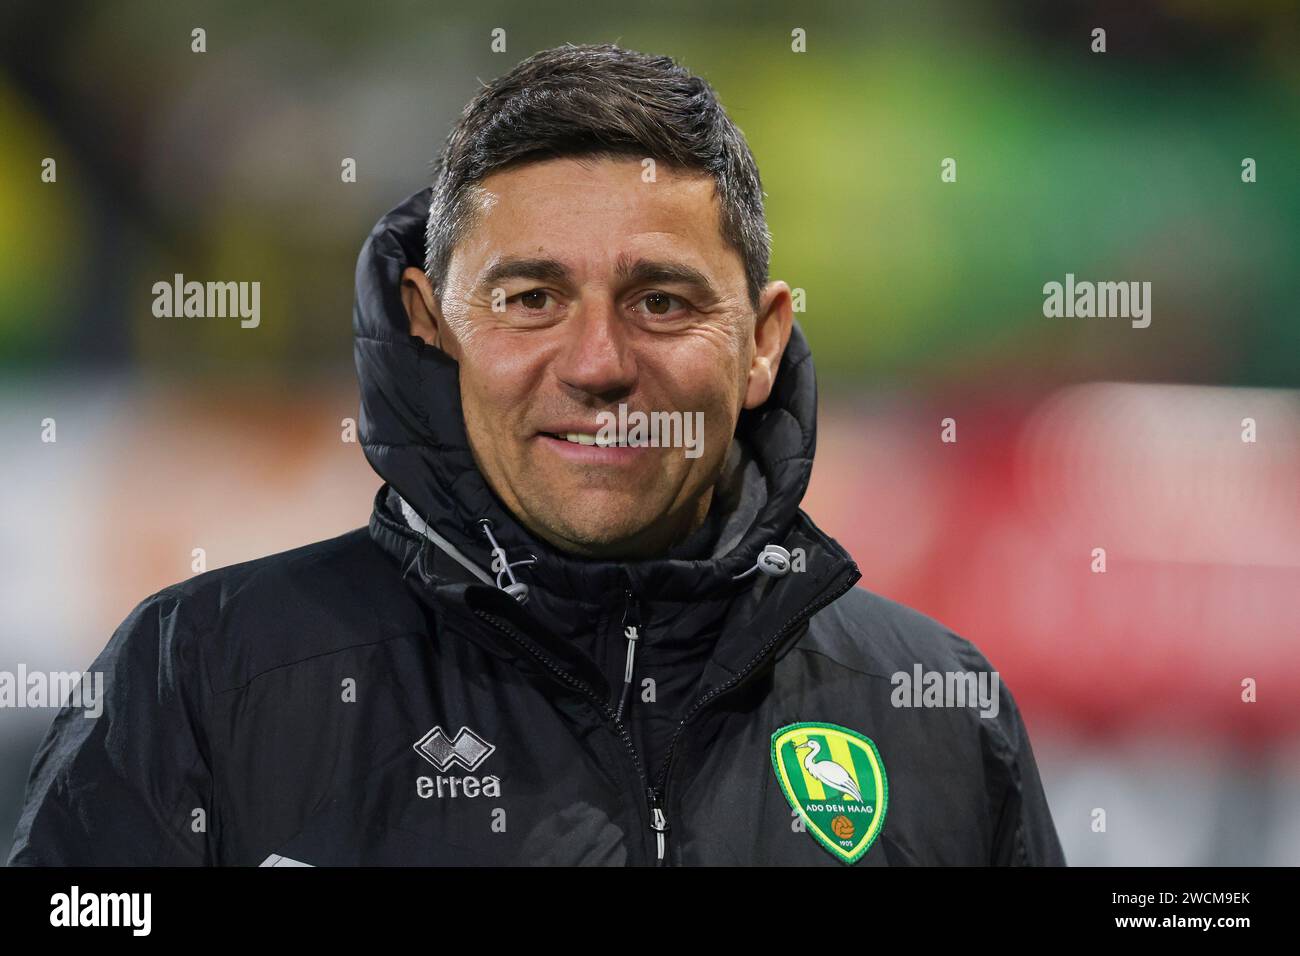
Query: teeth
(582,438)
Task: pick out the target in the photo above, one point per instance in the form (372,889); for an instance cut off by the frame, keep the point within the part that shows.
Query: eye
(659,303)
(534,299)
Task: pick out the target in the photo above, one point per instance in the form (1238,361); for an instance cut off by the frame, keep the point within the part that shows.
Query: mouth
(585,438)
(588,448)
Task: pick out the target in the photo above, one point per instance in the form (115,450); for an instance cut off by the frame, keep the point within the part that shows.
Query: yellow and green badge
(835,780)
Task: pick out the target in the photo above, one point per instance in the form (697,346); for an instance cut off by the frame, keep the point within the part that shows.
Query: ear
(772,325)
(422,310)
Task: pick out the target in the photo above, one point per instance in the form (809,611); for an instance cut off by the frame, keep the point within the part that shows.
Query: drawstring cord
(774,561)
(418,524)
(632,631)
(504,567)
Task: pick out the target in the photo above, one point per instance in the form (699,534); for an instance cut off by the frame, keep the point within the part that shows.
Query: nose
(596,358)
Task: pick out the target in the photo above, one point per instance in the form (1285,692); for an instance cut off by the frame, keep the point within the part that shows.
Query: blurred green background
(1123,165)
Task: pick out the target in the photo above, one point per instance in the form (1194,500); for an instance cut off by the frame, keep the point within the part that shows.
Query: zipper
(659,791)
(658,823)
(632,632)
(586,690)
(656,794)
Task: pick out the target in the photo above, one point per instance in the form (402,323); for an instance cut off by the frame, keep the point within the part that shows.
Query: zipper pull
(631,631)
(658,821)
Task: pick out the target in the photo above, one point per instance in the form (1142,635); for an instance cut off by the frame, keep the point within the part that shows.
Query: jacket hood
(413,434)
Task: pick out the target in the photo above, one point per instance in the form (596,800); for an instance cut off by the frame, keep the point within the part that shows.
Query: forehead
(582,206)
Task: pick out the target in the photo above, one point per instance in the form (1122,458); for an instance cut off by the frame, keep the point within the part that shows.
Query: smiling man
(554,644)
(584,284)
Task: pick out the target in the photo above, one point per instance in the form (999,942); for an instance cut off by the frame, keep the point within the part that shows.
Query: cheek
(474,415)
(486,419)
(498,376)
(714,387)
(506,362)
(481,404)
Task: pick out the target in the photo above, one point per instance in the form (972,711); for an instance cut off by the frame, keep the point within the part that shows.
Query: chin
(593,527)
(591,535)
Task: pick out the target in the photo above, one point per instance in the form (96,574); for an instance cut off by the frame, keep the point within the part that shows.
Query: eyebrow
(629,271)
(513,267)
(654,272)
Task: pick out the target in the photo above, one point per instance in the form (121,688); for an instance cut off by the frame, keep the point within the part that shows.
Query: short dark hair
(598,100)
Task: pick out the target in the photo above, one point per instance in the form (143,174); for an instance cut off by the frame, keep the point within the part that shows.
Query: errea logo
(468,750)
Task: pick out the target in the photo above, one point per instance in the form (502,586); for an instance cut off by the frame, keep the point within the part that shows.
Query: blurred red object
(994,535)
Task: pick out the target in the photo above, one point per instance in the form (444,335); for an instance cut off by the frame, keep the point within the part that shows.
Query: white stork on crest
(832,775)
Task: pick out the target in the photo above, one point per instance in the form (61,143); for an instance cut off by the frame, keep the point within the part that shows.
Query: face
(581,287)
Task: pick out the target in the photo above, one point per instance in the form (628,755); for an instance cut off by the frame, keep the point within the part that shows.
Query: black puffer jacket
(382,698)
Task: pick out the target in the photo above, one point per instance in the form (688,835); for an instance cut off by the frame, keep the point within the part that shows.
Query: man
(557,642)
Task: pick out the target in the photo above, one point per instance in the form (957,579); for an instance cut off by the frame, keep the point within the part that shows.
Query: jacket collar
(413,434)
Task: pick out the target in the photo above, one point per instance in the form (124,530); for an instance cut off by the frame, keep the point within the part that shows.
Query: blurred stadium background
(924,301)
